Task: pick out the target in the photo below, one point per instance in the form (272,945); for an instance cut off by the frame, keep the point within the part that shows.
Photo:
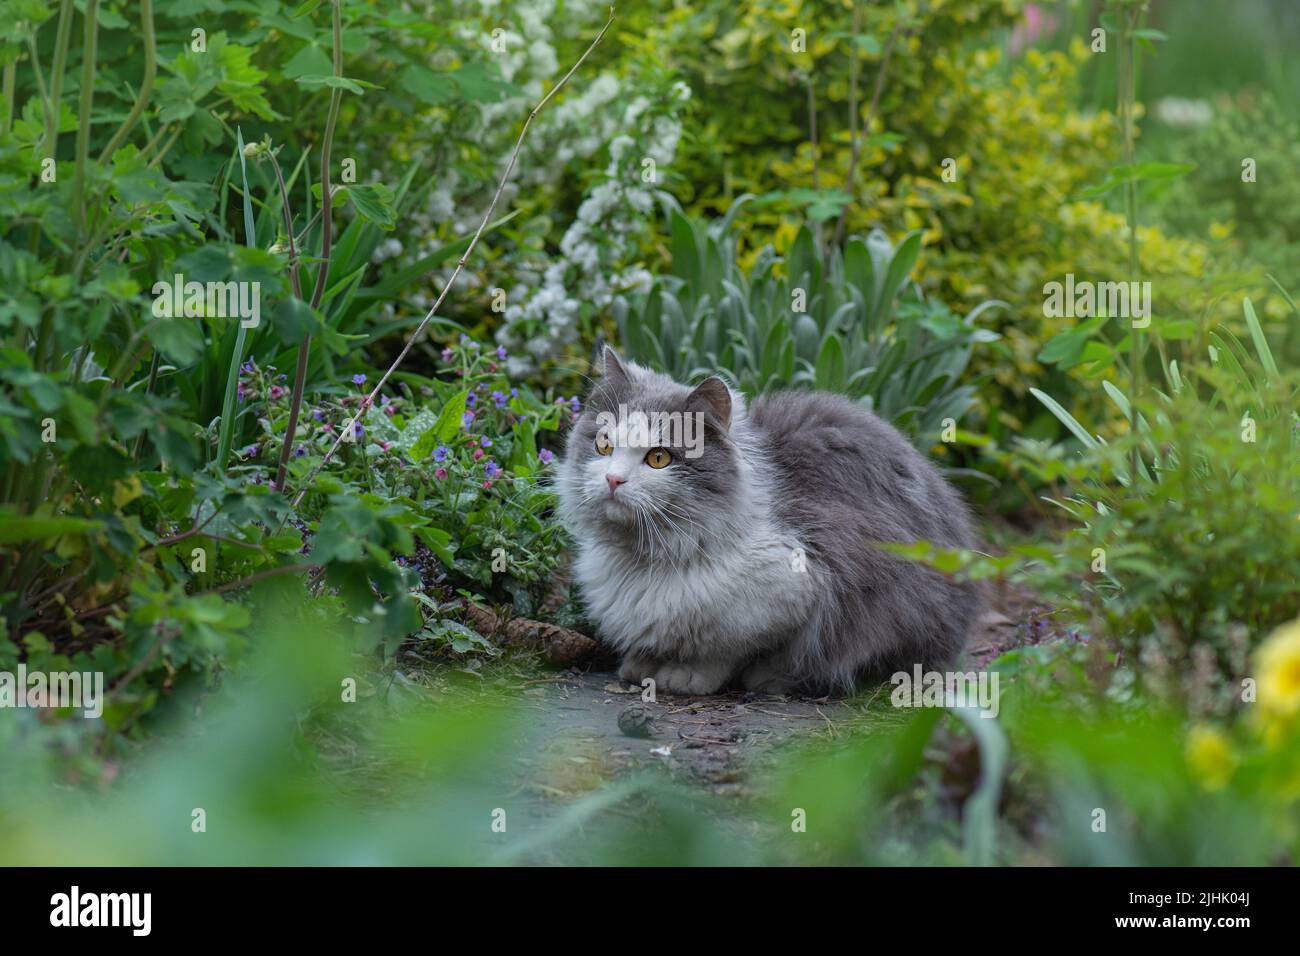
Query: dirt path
(588,727)
(592,727)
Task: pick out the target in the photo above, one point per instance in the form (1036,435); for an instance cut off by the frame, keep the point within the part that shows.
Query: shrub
(853,324)
(1190,562)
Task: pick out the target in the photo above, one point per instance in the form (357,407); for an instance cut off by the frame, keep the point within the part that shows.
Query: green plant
(1180,539)
(854,323)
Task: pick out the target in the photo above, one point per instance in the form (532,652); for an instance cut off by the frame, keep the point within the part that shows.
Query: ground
(591,727)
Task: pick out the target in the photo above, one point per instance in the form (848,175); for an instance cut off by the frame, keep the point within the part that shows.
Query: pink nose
(614,481)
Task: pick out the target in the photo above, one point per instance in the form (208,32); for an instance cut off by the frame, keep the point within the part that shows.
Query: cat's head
(650,456)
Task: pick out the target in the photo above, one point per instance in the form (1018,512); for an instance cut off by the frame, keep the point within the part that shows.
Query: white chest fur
(727,601)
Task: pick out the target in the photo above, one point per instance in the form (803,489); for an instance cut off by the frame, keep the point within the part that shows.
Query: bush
(853,324)
(1186,565)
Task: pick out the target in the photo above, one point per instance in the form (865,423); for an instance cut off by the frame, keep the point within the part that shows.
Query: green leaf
(16,528)
(430,88)
(311,60)
(1257,334)
(180,340)
(444,429)
(317,80)
(374,203)
(1065,418)
(980,812)
(830,364)
(293,318)
(1141,172)
(483,83)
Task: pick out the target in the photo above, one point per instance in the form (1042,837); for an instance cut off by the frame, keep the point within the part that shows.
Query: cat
(733,543)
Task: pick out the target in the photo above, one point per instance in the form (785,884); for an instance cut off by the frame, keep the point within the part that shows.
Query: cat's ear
(613,370)
(712,397)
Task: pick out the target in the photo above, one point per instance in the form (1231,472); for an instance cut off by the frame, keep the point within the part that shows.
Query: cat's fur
(754,561)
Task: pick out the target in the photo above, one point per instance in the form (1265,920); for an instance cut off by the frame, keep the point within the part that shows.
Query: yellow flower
(1210,757)
(1277,664)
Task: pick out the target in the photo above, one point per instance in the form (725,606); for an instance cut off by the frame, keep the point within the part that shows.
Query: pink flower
(1035,25)
(441,474)
(487,486)
(478,454)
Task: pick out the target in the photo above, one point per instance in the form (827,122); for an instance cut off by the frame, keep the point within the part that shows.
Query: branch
(514,156)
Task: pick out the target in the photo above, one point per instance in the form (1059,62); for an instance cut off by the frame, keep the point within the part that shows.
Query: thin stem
(83,115)
(856,149)
(327,239)
(288,227)
(812,131)
(148,390)
(146,86)
(8,86)
(460,265)
(56,77)
(1128,93)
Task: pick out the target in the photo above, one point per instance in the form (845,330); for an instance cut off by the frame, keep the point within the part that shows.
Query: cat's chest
(739,594)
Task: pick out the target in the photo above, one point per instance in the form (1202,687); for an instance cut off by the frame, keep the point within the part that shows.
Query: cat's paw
(691,679)
(634,669)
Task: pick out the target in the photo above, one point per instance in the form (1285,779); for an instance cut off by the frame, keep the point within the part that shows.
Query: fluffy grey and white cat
(749,555)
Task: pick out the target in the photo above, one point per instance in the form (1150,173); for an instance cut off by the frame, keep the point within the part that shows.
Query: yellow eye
(658,458)
(603,445)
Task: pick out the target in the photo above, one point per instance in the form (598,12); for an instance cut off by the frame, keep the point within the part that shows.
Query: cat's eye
(658,458)
(603,445)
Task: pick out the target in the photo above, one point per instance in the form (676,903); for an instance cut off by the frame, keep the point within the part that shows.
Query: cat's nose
(614,481)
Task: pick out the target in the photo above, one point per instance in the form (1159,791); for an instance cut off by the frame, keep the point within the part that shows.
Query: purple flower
(575,404)
(446,355)
(250,451)
(359,429)
(500,399)
(501,351)
(318,415)
(514,393)
(440,453)
(247,368)
(471,400)
(239,391)
(359,379)
(467,420)
(487,442)
(546,456)
(299,452)
(491,469)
